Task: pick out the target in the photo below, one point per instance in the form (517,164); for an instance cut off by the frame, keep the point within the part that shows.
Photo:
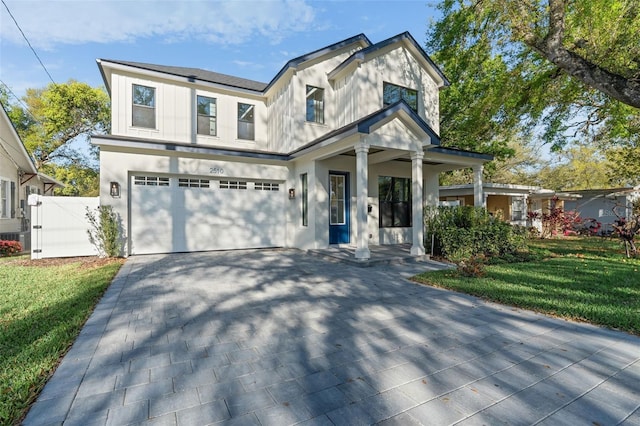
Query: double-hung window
(246,121)
(144,106)
(315,104)
(207,112)
(392,93)
(7,199)
(395,201)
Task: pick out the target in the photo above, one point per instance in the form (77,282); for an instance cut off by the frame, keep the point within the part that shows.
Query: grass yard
(43,306)
(584,279)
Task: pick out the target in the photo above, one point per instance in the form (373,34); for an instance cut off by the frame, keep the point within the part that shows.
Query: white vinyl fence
(59,226)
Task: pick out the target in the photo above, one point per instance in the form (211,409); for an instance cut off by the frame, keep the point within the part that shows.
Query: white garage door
(182,214)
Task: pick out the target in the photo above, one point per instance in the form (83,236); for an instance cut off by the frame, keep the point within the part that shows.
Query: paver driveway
(280,337)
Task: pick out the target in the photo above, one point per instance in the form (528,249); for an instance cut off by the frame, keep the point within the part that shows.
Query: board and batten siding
(176,110)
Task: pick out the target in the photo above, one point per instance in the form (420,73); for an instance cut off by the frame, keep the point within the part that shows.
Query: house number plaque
(216,170)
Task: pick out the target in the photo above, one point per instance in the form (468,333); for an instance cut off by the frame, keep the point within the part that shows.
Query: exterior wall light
(114,189)
(292,193)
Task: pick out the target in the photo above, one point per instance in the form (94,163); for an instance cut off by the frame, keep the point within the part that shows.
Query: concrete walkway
(280,337)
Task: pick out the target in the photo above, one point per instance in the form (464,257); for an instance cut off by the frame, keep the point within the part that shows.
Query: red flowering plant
(9,248)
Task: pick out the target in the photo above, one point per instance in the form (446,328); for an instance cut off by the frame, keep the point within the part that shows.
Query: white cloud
(48,23)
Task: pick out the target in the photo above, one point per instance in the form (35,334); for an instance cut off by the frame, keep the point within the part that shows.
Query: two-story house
(340,147)
(18,179)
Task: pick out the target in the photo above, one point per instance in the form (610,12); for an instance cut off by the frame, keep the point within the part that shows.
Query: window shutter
(13,200)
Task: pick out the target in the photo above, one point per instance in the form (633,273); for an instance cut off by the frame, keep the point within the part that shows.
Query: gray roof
(197,74)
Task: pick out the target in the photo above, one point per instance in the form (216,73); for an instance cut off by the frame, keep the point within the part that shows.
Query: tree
(627,165)
(557,69)
(55,130)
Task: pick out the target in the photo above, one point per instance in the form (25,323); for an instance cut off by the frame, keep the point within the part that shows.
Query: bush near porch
(579,278)
(43,305)
(463,233)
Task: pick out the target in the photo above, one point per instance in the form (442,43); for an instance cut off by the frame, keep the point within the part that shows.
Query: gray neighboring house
(599,204)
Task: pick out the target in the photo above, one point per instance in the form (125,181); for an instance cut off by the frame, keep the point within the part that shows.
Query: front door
(338,208)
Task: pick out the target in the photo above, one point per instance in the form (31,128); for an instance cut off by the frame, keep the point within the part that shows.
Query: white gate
(59,226)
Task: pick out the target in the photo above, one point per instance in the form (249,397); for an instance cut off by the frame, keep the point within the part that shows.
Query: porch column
(478,192)
(417,204)
(362,187)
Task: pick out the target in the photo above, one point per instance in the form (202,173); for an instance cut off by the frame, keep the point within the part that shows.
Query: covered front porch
(346,169)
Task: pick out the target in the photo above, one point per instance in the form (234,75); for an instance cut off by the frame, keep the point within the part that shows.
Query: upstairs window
(395,201)
(207,112)
(315,104)
(144,106)
(246,122)
(392,93)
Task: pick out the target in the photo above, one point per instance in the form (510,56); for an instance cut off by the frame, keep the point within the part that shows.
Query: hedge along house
(341,147)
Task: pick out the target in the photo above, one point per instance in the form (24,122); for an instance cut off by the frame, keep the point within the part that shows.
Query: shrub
(9,248)
(105,231)
(466,234)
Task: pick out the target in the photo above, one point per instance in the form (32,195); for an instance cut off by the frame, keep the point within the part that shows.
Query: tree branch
(551,47)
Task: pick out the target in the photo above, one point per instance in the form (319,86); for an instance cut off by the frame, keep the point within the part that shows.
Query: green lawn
(43,306)
(587,279)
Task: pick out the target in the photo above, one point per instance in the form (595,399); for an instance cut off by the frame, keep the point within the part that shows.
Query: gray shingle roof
(199,74)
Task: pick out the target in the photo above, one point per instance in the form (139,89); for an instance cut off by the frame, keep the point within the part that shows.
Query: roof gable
(375,50)
(12,145)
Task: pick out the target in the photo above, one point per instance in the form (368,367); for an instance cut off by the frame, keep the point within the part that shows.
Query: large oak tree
(557,70)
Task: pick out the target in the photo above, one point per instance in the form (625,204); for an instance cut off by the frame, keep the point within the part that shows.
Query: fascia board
(171,77)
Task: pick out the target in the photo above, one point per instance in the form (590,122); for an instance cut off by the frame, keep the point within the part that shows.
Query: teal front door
(338,208)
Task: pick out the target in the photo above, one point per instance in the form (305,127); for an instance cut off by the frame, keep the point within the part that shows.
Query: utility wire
(24,106)
(29,43)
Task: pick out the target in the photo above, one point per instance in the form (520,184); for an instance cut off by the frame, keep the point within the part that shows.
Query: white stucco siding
(122,167)
(176,113)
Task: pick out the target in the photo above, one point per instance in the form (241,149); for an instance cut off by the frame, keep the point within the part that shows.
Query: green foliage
(504,87)
(586,279)
(105,231)
(626,159)
(81,180)
(42,309)
(9,248)
(464,233)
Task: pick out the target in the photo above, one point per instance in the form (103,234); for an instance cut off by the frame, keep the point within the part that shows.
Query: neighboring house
(341,147)
(18,179)
(511,202)
(599,204)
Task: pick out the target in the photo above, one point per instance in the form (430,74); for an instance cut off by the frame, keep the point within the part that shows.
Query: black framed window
(305,199)
(393,93)
(144,106)
(395,201)
(246,121)
(207,112)
(315,104)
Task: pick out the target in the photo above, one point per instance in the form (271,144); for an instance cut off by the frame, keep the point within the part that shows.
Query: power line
(27,40)
(24,106)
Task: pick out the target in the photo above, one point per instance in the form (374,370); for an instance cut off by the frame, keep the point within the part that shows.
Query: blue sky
(249,39)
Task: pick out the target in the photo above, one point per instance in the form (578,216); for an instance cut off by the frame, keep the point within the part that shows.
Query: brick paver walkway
(278,337)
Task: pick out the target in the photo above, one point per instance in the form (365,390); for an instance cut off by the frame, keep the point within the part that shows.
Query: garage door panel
(151,217)
(207,218)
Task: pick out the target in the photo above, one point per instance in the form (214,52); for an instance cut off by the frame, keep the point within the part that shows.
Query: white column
(362,188)
(417,206)
(478,193)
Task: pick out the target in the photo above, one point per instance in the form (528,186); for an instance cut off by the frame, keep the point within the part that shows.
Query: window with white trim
(151,181)
(266,186)
(5,208)
(144,106)
(315,104)
(193,183)
(246,121)
(233,184)
(305,199)
(207,112)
